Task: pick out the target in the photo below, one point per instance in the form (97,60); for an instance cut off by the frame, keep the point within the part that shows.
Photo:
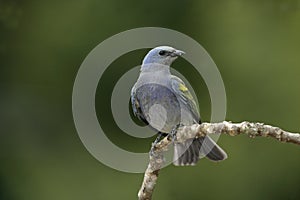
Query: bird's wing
(184,95)
(136,106)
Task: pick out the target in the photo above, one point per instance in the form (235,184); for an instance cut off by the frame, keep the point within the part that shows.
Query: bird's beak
(177,53)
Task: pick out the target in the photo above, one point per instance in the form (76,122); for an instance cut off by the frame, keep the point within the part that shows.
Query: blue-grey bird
(163,101)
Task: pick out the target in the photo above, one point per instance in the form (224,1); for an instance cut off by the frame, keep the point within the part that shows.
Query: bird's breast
(160,106)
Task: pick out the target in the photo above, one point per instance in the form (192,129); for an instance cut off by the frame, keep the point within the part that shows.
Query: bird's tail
(188,153)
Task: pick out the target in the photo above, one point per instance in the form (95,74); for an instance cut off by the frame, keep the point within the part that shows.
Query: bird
(164,102)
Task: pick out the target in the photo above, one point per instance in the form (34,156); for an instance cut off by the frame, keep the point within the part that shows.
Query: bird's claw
(172,136)
(157,140)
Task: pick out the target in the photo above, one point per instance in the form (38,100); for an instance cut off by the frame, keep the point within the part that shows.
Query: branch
(199,130)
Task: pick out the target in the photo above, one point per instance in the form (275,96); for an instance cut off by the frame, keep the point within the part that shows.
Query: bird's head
(163,55)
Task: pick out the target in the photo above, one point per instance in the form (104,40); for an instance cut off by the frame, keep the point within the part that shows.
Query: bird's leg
(157,140)
(172,134)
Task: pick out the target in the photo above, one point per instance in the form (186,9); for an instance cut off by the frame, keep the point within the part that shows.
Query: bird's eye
(162,53)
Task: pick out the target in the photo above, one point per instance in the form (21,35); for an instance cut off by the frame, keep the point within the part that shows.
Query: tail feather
(188,153)
(211,150)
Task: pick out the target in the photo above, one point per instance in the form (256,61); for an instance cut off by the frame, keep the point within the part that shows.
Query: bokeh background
(255,44)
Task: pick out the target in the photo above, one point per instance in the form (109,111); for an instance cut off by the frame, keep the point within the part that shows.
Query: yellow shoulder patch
(183,88)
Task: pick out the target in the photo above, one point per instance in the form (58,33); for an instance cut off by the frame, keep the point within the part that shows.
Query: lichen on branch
(184,133)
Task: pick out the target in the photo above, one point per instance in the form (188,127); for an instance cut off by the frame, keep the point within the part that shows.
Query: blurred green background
(255,44)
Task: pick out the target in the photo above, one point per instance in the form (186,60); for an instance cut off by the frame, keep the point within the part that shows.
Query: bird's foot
(157,140)
(172,136)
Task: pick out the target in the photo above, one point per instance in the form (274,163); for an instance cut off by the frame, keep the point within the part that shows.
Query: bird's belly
(160,106)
